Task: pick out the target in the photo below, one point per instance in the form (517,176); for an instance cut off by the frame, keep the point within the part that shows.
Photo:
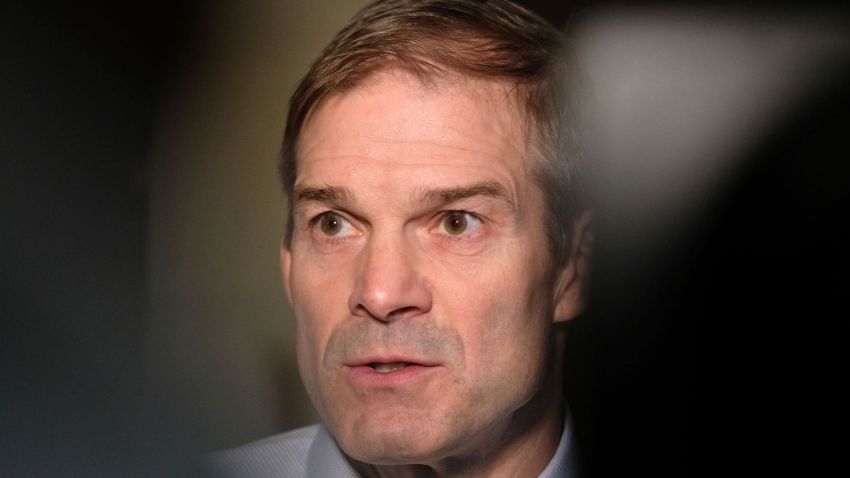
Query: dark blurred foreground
(720,151)
(79,87)
(721,178)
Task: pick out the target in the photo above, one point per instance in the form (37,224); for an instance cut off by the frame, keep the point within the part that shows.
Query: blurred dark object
(79,88)
(719,143)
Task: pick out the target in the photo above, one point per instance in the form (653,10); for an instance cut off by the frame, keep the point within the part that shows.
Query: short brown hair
(487,39)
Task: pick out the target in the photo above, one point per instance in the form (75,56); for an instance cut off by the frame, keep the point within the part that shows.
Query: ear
(285,266)
(573,279)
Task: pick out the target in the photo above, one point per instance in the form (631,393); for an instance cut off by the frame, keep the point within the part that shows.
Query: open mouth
(390,372)
(388,367)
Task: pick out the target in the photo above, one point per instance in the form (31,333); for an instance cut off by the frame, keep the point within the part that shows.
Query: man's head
(434,239)
(478,39)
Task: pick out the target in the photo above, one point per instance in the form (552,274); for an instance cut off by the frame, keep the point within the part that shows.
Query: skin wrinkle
(340,198)
(435,197)
(484,99)
(444,196)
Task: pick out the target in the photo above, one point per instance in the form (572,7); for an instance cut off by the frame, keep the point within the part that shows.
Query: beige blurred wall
(221,335)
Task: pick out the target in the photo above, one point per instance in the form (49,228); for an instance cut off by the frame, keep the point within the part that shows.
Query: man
(435,249)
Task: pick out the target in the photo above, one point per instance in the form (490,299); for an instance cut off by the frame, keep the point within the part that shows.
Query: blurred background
(143,318)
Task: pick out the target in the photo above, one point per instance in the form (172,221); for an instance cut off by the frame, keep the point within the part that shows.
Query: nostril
(402,312)
(361,310)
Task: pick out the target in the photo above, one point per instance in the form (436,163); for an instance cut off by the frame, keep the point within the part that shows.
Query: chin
(393,442)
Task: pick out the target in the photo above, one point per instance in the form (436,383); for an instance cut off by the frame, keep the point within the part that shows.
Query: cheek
(501,311)
(319,302)
(320,293)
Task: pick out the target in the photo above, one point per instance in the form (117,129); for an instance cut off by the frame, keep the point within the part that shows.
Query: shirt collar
(563,463)
(326,458)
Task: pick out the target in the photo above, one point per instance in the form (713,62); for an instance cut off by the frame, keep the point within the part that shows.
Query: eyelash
(314,221)
(439,218)
(445,214)
(318,217)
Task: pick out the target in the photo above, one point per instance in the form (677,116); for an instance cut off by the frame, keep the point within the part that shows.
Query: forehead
(397,118)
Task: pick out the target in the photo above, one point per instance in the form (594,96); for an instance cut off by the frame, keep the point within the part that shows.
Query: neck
(521,445)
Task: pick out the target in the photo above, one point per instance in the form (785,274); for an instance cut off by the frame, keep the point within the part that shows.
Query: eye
(456,223)
(333,225)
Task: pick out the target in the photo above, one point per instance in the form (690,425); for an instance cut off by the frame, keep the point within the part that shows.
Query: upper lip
(364,361)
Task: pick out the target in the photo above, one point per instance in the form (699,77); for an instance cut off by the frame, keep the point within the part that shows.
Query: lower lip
(368,377)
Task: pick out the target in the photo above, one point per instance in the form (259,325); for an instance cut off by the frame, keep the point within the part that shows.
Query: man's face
(418,270)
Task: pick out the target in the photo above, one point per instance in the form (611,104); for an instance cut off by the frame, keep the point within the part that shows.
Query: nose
(388,286)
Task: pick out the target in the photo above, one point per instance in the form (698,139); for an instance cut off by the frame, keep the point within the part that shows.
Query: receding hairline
(477,87)
(458,38)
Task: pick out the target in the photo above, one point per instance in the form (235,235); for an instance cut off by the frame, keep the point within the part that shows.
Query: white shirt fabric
(312,452)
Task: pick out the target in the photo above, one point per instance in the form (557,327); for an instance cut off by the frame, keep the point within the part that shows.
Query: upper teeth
(388,367)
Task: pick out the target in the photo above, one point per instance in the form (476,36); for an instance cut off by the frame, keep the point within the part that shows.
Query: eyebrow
(323,194)
(436,197)
(442,196)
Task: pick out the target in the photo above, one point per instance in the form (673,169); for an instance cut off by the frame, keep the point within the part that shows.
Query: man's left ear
(574,277)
